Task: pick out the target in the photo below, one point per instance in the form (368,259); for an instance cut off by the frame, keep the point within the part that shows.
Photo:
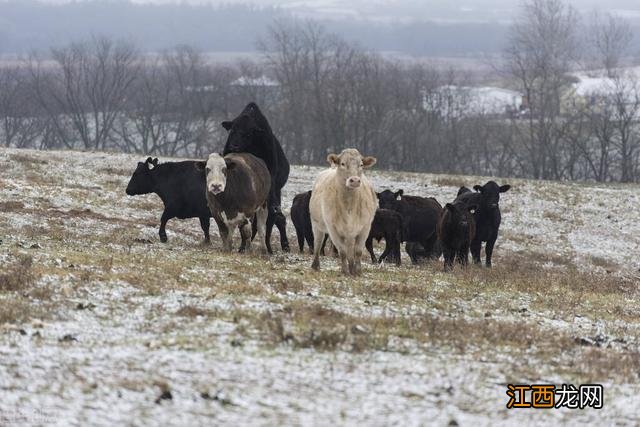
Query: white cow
(343,205)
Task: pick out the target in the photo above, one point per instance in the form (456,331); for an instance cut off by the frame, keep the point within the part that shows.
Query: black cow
(456,230)
(180,186)
(250,133)
(302,219)
(487,216)
(387,225)
(420,217)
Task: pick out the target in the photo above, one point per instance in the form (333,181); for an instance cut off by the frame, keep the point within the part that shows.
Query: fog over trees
(322,93)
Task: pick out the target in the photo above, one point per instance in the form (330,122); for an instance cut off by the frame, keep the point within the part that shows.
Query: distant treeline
(322,94)
(27,25)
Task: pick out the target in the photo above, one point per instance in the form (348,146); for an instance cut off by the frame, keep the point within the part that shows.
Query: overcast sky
(395,10)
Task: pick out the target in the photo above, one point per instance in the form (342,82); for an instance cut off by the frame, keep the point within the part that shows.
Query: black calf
(387,225)
(180,186)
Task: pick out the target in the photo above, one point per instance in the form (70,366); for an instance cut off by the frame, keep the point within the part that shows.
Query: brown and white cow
(343,205)
(237,189)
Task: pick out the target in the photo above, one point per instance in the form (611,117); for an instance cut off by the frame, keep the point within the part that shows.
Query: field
(100,323)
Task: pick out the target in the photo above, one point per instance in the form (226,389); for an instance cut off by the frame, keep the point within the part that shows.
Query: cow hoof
(163,239)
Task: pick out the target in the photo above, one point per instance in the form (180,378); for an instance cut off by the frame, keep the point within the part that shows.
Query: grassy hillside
(99,319)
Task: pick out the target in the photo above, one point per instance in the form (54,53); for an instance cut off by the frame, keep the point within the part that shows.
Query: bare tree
(614,106)
(20,122)
(540,52)
(85,88)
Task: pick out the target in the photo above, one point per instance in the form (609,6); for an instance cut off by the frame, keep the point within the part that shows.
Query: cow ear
(333,159)
(227,125)
(149,160)
(200,166)
(369,161)
(399,193)
(477,188)
(155,162)
(504,188)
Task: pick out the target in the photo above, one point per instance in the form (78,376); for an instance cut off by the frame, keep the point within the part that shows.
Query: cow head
(142,181)
(458,213)
(349,165)
(388,197)
(463,190)
(216,170)
(248,133)
(491,194)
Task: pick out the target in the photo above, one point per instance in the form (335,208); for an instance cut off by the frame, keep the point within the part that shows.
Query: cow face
(388,197)
(458,213)
(349,165)
(141,181)
(491,194)
(216,171)
(245,135)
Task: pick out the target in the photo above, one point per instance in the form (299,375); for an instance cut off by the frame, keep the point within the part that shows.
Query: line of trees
(322,94)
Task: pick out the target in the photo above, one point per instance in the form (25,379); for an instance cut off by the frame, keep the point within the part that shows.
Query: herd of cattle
(241,188)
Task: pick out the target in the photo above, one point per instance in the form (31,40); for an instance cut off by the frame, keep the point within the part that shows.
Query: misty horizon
(441,30)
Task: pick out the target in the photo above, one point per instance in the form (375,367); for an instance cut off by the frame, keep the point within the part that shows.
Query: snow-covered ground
(111,319)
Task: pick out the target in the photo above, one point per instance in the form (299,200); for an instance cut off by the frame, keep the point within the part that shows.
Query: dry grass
(193,311)
(20,298)
(11,206)
(26,161)
(311,325)
(17,276)
(554,216)
(111,171)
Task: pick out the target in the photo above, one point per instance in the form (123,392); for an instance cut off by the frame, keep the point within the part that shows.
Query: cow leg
(369,245)
(268,229)
(163,224)
(488,250)
(463,256)
(396,249)
(309,238)
(205,222)
(318,237)
(449,255)
(357,253)
(476,247)
(254,227)
(281,223)
(300,235)
(333,249)
(410,248)
(245,235)
(344,262)
(261,224)
(224,235)
(388,249)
